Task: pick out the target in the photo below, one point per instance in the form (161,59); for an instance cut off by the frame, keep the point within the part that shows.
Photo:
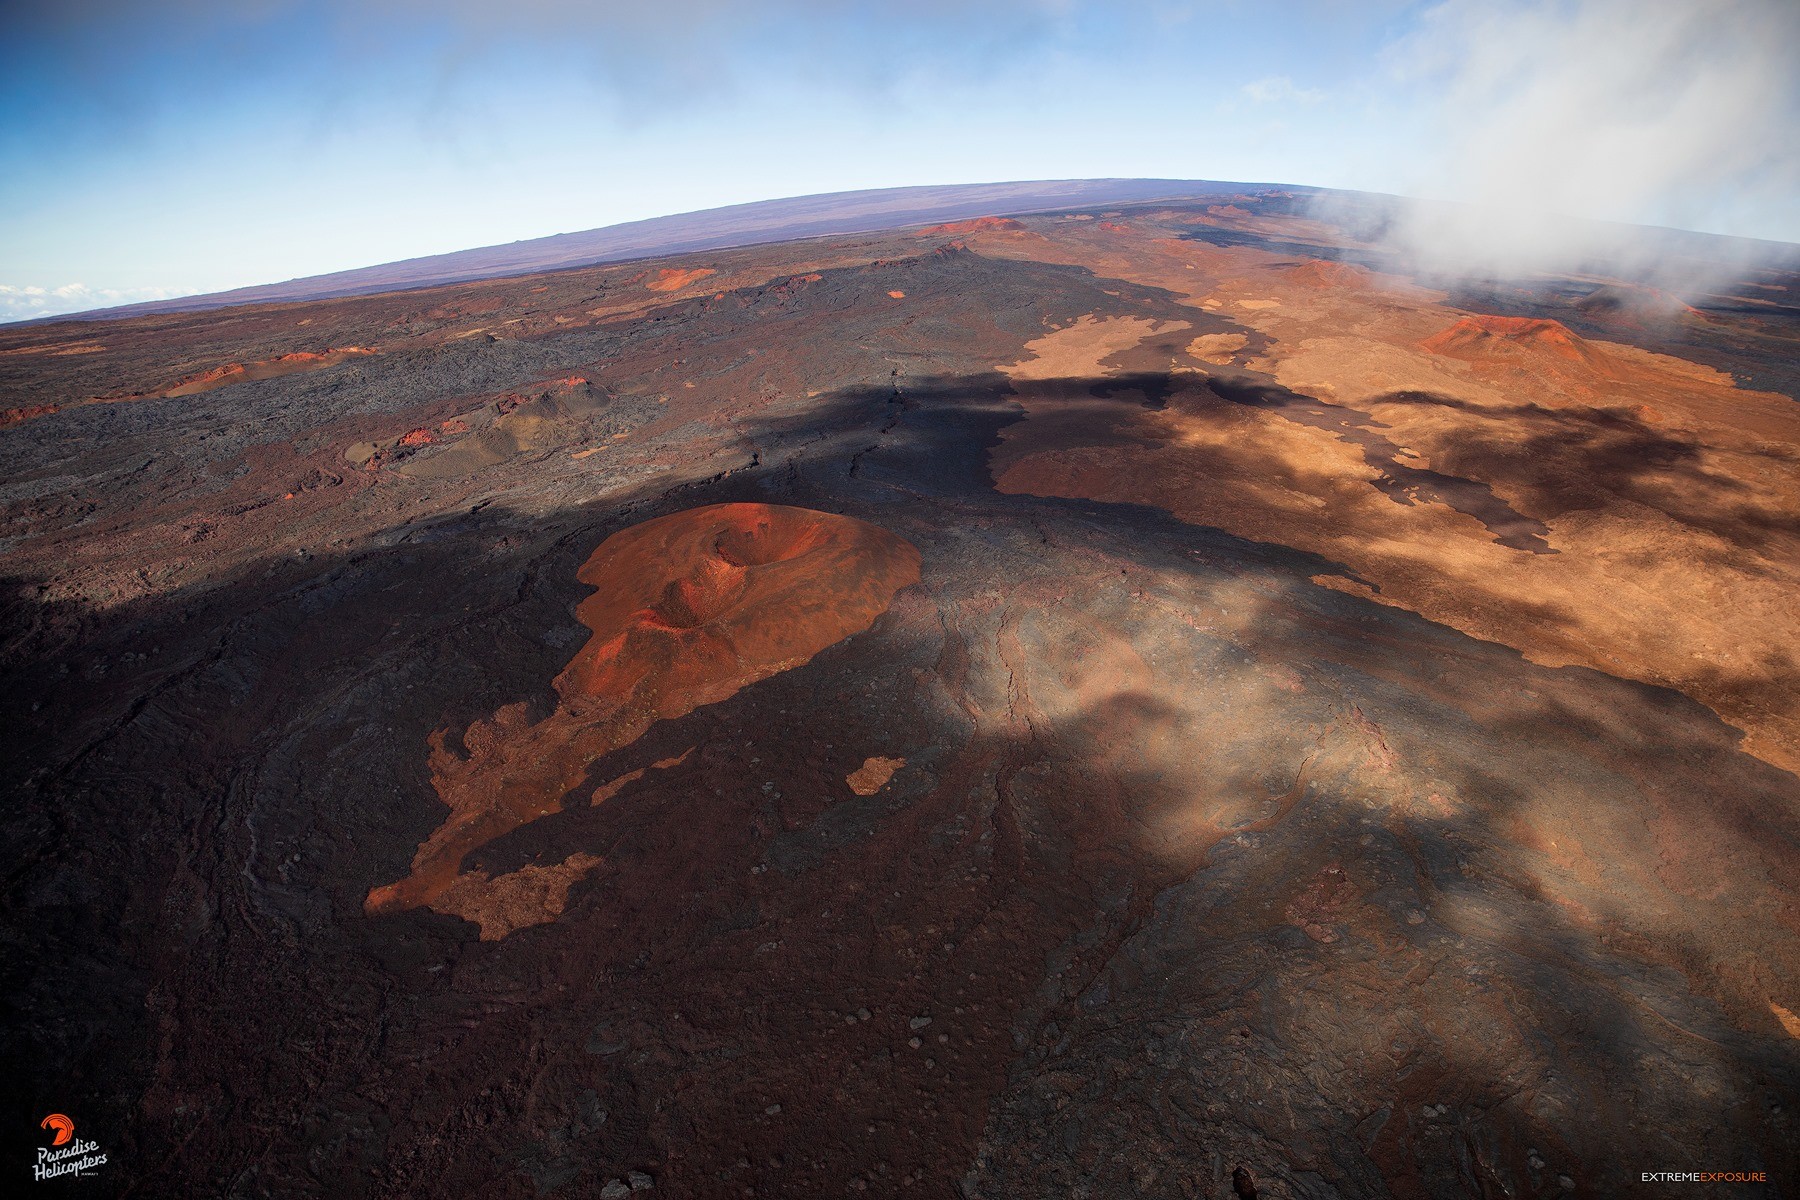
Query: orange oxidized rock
(974,225)
(13,416)
(668,280)
(687,609)
(1477,336)
(269,368)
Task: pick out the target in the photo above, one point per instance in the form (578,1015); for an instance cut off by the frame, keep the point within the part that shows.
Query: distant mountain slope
(710,229)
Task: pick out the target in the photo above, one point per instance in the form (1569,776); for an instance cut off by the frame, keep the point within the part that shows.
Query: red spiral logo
(65,1128)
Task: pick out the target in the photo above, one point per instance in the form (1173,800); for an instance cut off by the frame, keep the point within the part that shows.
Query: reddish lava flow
(668,280)
(12,416)
(270,368)
(687,609)
(973,225)
(206,381)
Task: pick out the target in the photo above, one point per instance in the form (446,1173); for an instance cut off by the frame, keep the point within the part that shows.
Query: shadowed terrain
(1056,706)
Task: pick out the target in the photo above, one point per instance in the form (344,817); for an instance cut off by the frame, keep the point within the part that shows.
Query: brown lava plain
(1126,703)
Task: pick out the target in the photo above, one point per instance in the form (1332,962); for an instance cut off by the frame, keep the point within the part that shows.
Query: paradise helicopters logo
(66,1154)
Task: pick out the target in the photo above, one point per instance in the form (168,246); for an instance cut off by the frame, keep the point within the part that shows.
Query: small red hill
(974,225)
(1490,337)
(1323,273)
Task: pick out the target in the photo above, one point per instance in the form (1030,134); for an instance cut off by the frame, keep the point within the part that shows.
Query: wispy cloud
(1279,89)
(24,302)
(1683,113)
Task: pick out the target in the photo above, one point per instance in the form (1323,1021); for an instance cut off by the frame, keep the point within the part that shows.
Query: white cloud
(24,302)
(1660,112)
(1279,89)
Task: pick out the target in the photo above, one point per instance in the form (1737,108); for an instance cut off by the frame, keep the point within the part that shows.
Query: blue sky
(150,149)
